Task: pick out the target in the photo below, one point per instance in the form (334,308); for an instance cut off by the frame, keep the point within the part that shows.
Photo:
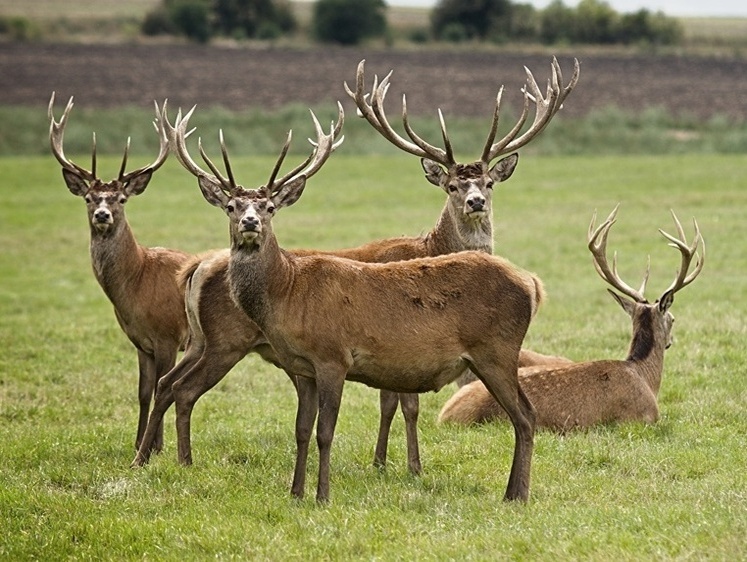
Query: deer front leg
(388,402)
(146,387)
(410,410)
(308,403)
(329,387)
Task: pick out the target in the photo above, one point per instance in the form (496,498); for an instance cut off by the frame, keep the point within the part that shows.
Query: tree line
(350,22)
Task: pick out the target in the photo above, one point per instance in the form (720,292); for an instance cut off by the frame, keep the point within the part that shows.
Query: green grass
(674,490)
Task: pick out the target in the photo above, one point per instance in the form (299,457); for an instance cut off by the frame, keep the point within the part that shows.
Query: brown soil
(461,83)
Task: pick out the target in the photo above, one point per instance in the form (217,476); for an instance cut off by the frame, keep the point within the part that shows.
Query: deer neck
(454,232)
(647,350)
(117,259)
(257,272)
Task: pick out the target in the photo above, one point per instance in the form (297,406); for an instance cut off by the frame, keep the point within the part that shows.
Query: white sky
(724,8)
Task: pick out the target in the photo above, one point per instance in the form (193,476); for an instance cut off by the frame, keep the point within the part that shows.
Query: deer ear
(434,173)
(504,168)
(626,304)
(290,192)
(75,183)
(212,192)
(665,301)
(137,185)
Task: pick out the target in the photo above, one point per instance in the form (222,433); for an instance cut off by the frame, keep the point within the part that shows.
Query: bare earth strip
(461,83)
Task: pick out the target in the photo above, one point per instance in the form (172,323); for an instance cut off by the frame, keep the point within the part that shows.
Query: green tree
(557,23)
(595,22)
(251,17)
(348,22)
(478,18)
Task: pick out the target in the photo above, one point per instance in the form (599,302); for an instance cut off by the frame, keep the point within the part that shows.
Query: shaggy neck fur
(116,258)
(455,232)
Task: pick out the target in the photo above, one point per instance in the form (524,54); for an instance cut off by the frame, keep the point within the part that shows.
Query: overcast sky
(669,7)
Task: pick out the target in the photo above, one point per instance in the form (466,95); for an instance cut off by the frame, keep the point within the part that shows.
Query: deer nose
(476,203)
(250,223)
(102,215)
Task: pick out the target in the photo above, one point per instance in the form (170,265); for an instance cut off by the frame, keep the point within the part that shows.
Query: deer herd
(404,315)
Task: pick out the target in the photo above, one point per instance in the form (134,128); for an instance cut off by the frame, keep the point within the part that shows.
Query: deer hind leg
(308,404)
(388,402)
(165,359)
(163,400)
(410,410)
(208,371)
(500,376)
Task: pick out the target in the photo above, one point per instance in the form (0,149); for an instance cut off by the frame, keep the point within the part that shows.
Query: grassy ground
(674,490)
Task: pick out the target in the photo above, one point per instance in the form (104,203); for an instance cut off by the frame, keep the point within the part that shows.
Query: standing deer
(470,187)
(465,223)
(580,395)
(408,326)
(140,282)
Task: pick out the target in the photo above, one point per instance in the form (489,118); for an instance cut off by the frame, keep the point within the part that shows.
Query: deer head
(633,301)
(104,200)
(250,210)
(468,186)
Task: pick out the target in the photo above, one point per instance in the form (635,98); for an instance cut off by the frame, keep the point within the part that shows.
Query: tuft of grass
(68,383)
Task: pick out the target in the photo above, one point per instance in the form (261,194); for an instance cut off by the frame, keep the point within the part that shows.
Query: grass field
(675,490)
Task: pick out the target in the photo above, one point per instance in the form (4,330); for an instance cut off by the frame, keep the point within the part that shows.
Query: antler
(598,247)
(56,134)
(163,149)
(688,252)
(374,113)
(323,147)
(177,134)
(546,108)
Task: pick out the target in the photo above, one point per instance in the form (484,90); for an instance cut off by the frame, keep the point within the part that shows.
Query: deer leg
(208,371)
(388,402)
(501,379)
(308,403)
(163,400)
(164,362)
(410,410)
(330,396)
(146,388)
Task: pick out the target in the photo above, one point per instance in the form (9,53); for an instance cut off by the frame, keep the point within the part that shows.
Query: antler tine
(598,248)
(124,160)
(227,183)
(178,135)
(323,147)
(163,149)
(546,108)
(374,113)
(56,135)
(279,162)
(688,252)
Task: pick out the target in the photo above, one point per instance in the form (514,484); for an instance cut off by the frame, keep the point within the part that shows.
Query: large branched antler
(324,145)
(57,132)
(688,253)
(598,247)
(546,107)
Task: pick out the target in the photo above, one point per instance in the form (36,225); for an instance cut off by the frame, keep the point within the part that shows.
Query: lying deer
(407,326)
(584,394)
(140,282)
(465,223)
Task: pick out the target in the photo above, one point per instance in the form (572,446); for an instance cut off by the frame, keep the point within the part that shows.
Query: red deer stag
(140,282)
(469,187)
(584,394)
(465,223)
(408,326)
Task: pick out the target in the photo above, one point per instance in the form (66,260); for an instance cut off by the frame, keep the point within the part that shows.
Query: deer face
(470,186)
(249,212)
(105,201)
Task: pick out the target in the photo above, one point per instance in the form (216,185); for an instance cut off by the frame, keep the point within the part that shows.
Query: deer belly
(408,374)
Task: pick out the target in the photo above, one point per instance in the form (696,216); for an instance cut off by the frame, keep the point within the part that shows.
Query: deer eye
(122,200)
(452,189)
(88,199)
(270,208)
(489,185)
(230,208)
